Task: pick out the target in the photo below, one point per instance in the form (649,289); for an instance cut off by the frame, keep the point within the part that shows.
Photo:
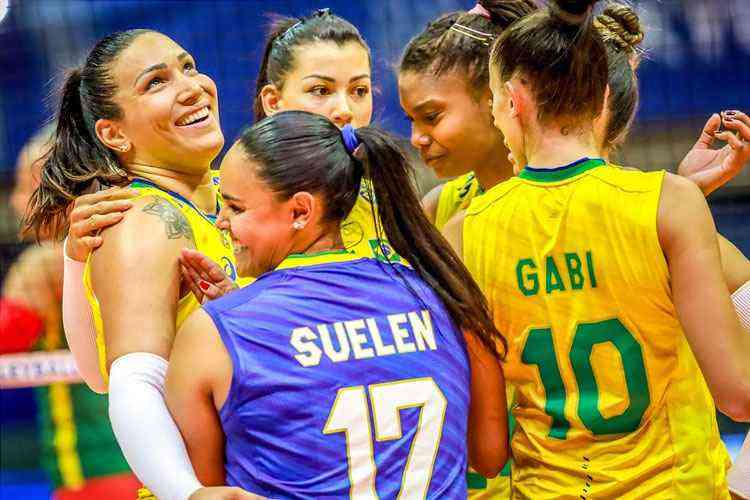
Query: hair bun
(620,24)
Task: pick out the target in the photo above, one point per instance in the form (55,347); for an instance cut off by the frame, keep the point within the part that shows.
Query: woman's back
(608,391)
(322,347)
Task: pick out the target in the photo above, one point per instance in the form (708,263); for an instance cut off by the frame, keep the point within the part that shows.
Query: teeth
(192,117)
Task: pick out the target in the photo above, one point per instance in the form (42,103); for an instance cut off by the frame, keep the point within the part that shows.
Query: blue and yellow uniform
(323,346)
(610,402)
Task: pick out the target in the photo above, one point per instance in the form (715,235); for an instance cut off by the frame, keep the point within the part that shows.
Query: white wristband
(741,300)
(79,325)
(149,438)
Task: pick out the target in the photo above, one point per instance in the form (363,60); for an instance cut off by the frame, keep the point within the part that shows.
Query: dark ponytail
(299,151)
(287,34)
(460,41)
(418,241)
(559,52)
(77,159)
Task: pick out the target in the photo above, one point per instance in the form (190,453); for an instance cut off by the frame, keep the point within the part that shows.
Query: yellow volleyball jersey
(359,230)
(455,196)
(609,400)
(209,240)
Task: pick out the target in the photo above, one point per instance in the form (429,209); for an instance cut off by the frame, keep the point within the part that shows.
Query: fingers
(712,126)
(738,122)
(99,208)
(91,242)
(205,267)
(95,223)
(732,140)
(113,193)
(192,280)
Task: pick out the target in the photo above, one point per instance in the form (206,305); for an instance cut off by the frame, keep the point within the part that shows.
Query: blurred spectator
(78,449)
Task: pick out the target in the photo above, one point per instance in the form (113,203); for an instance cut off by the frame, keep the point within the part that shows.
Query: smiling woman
(139,112)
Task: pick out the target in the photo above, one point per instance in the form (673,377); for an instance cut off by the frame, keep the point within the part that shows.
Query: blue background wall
(697,62)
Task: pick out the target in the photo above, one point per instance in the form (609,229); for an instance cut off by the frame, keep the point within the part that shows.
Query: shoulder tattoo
(175,222)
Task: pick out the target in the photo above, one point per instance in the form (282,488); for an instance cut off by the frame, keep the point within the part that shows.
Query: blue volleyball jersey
(349,380)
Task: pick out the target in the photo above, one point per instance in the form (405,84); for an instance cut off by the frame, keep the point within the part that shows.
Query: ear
(485,98)
(304,209)
(111,135)
(270,96)
(515,99)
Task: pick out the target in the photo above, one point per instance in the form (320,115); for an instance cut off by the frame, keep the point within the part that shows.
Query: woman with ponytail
(297,363)
(595,275)
(318,63)
(138,113)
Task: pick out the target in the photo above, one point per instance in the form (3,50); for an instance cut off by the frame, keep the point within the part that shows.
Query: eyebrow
(333,80)
(156,67)
(229,197)
(424,104)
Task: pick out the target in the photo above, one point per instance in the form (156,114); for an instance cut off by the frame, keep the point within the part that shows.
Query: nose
(191,90)
(342,112)
(222,220)
(419,139)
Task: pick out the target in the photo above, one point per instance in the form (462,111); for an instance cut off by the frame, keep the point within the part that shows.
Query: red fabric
(117,487)
(20,327)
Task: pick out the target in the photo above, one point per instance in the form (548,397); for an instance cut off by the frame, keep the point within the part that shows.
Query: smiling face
(170,111)
(260,224)
(450,126)
(327,79)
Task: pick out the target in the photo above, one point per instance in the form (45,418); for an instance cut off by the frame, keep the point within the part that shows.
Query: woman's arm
(688,238)
(488,413)
(79,325)
(196,391)
(90,214)
(136,278)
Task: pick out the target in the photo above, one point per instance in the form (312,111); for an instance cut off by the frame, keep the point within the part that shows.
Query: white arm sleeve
(741,300)
(79,325)
(149,438)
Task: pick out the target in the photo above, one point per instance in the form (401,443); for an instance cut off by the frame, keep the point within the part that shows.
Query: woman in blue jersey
(296,365)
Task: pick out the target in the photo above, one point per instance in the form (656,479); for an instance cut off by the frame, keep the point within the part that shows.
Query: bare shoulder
(153,227)
(683,216)
(430,202)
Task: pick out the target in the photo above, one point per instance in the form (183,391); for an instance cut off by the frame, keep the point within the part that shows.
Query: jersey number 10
(350,415)
(540,351)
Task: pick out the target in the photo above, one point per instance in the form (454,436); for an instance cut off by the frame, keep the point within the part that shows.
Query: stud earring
(297,225)
(125,147)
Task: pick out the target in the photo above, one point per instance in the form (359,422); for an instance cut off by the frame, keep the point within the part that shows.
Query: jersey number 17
(350,414)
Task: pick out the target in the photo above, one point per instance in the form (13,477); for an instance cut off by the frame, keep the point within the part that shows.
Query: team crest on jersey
(383,251)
